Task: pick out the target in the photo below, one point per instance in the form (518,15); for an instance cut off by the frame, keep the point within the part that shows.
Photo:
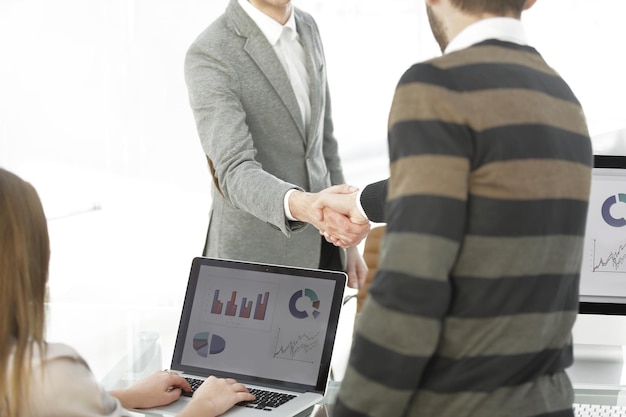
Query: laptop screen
(603,274)
(267,324)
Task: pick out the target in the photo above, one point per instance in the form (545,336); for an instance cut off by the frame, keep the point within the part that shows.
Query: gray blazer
(252,132)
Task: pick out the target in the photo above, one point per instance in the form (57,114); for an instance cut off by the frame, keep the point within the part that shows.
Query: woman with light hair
(50,379)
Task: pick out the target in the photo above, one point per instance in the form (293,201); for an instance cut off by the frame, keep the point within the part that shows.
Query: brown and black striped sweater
(471,311)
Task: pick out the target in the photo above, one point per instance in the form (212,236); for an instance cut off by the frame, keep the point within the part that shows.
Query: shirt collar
(500,28)
(268,26)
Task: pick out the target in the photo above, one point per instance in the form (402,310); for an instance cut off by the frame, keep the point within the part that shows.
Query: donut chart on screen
(606,210)
(206,344)
(312,299)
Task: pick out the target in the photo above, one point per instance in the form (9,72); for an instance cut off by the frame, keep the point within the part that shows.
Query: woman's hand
(159,388)
(215,396)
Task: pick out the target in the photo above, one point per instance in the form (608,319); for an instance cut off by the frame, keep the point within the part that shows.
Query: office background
(94,113)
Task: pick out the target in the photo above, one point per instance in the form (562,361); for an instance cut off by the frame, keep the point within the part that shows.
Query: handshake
(334,211)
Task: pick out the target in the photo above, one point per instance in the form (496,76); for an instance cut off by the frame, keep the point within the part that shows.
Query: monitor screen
(603,273)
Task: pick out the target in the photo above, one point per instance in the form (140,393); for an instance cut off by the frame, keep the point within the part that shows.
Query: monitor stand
(597,365)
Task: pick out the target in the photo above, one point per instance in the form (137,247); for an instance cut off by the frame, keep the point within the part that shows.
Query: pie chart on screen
(206,344)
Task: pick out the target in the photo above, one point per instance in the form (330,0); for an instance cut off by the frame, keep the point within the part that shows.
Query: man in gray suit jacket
(257,86)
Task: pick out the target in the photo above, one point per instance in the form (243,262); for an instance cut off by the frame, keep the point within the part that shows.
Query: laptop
(270,327)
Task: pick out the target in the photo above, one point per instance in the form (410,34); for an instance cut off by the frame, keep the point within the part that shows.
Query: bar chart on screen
(228,304)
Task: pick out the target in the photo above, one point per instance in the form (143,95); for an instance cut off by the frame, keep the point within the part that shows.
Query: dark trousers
(330,257)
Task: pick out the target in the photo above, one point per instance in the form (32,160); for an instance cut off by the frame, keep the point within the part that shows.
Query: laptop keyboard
(265,400)
(596,410)
(195,384)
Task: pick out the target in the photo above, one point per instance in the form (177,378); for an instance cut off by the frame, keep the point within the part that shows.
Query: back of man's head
(509,8)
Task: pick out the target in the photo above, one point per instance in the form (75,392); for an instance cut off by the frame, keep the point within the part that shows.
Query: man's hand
(337,201)
(343,200)
(339,228)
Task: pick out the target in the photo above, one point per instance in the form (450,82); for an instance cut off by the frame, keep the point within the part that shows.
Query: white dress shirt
(501,28)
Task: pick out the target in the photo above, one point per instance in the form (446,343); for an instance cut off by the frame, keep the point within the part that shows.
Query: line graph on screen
(609,257)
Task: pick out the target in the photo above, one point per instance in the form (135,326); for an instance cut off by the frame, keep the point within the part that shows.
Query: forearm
(125,398)
(258,193)
(301,207)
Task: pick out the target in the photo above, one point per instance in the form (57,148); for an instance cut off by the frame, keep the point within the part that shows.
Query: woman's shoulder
(63,385)
(58,350)
(52,352)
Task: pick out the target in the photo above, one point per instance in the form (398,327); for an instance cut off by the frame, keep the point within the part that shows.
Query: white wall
(94,112)
(98,84)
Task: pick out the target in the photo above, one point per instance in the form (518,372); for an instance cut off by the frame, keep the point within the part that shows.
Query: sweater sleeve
(373,199)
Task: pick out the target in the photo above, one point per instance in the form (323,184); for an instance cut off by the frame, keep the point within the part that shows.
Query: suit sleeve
(221,122)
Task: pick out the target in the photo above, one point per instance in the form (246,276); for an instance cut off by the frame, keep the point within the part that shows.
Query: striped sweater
(471,310)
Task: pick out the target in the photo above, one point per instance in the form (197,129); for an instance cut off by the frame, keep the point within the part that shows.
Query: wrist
(199,406)
(300,203)
(359,206)
(124,397)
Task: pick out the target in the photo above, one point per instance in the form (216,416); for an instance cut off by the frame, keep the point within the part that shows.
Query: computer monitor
(600,330)
(603,273)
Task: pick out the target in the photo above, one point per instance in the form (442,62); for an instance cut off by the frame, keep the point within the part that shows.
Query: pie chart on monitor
(206,344)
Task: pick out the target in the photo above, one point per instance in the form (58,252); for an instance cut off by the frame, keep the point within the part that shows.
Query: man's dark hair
(512,8)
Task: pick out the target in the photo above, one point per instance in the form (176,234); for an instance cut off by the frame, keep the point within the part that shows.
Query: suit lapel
(262,53)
